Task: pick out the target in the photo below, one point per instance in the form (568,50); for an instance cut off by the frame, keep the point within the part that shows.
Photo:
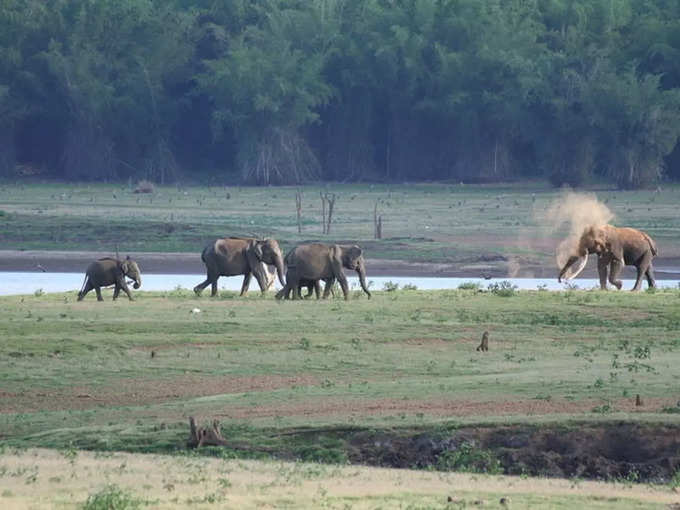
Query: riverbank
(666,268)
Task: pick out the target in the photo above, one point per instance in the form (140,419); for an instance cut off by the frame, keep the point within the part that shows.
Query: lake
(16,283)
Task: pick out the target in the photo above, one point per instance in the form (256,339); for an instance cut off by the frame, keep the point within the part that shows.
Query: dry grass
(52,479)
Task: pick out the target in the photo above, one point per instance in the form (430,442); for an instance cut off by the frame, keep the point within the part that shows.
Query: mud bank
(635,452)
(486,265)
(614,451)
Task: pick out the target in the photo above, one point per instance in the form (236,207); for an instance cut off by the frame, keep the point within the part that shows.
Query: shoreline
(666,268)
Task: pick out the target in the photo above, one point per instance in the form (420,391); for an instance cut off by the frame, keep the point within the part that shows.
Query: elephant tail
(652,244)
(204,253)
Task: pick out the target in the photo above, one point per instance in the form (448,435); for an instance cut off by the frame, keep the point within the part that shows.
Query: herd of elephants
(307,265)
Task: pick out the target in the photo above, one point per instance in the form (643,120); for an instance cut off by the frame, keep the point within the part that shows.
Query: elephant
(232,256)
(110,271)
(615,247)
(319,261)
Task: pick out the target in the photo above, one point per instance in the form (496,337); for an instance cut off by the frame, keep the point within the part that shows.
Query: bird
(42,268)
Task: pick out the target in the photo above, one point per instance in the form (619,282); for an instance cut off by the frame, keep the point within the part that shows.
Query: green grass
(422,222)
(263,366)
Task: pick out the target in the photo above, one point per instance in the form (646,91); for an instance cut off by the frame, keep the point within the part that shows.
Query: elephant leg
(127,291)
(213,288)
(602,270)
(342,280)
(317,289)
(642,269)
(122,285)
(283,293)
(328,288)
(211,279)
(87,288)
(98,290)
(614,272)
(650,276)
(246,283)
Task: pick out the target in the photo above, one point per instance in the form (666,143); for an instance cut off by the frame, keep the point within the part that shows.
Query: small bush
(111,497)
(503,289)
(469,286)
(390,286)
(144,186)
(467,457)
(409,286)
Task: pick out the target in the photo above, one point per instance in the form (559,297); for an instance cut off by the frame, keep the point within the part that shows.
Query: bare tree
(377,222)
(327,204)
(298,208)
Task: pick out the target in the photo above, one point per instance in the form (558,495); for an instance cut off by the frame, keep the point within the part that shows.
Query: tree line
(288,91)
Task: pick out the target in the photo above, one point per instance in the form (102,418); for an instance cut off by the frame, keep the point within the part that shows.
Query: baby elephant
(110,271)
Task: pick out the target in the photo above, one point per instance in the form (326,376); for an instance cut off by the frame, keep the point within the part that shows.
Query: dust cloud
(574,212)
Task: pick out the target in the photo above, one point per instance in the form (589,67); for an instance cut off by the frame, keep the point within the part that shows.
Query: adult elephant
(110,271)
(317,261)
(615,247)
(233,256)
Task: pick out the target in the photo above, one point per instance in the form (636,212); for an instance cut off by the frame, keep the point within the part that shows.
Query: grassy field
(303,380)
(422,222)
(67,479)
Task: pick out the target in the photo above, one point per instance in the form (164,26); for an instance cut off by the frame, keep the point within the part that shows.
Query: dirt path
(190,263)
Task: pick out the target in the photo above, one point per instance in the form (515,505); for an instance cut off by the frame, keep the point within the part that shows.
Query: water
(14,283)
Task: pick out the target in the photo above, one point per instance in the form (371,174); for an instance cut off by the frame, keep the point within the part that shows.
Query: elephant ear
(255,249)
(125,266)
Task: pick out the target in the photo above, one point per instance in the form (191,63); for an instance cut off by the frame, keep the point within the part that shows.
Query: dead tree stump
(484,346)
(205,436)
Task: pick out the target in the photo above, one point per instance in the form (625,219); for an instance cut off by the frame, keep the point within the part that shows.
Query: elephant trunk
(278,262)
(361,271)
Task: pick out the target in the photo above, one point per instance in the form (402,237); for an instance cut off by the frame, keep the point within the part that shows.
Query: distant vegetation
(281,92)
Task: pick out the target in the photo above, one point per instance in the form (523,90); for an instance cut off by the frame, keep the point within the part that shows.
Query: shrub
(390,286)
(503,289)
(111,497)
(144,186)
(469,286)
(467,457)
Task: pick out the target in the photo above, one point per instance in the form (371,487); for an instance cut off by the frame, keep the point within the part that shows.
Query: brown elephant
(322,262)
(233,256)
(615,247)
(110,271)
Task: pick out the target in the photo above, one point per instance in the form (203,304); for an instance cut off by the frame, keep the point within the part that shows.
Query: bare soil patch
(134,392)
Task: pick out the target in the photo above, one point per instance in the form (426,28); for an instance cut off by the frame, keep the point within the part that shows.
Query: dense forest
(288,91)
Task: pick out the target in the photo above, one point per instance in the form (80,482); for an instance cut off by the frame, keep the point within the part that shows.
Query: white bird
(196,310)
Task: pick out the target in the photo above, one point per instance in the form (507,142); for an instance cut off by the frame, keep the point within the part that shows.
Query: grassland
(303,380)
(422,222)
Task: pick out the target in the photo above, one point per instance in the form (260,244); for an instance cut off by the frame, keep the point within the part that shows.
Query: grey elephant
(110,271)
(233,256)
(615,247)
(317,261)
